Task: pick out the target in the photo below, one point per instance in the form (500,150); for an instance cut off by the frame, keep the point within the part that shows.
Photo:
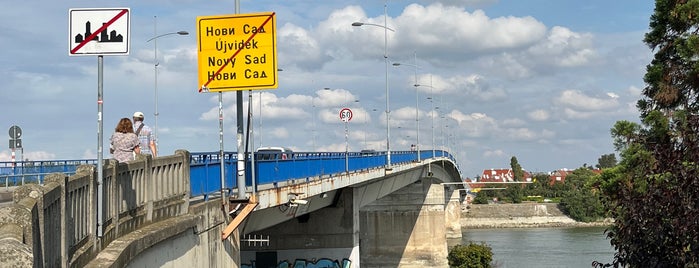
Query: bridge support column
(453,214)
(328,237)
(405,228)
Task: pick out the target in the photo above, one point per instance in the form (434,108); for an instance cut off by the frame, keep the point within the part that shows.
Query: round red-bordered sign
(345,114)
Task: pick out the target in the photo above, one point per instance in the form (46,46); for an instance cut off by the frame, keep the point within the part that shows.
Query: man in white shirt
(145,135)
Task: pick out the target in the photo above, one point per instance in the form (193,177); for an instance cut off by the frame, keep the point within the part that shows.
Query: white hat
(138,114)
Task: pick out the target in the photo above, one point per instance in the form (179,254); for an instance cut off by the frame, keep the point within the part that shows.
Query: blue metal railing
(206,176)
(17,173)
(205,167)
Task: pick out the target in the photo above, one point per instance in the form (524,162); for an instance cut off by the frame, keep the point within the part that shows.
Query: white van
(273,153)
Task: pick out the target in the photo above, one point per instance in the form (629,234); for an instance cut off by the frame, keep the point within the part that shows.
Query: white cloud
(563,47)
(465,32)
(470,87)
(494,153)
(513,122)
(279,132)
(300,48)
(576,100)
(539,115)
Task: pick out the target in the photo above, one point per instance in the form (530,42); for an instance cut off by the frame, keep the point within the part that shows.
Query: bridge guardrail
(206,175)
(21,172)
(205,168)
(56,222)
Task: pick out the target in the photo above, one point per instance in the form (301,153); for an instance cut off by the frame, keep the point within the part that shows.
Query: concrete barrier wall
(192,240)
(56,223)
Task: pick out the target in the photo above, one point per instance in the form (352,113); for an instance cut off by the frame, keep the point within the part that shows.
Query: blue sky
(540,80)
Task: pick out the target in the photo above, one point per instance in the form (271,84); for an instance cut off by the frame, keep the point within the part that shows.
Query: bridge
(311,209)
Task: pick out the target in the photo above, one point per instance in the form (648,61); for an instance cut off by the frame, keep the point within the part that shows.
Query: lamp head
(299,202)
(183,33)
(357,23)
(396,64)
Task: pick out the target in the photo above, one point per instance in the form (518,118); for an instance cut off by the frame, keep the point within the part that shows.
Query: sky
(541,80)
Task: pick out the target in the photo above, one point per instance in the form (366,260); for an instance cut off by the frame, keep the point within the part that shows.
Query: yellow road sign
(237,52)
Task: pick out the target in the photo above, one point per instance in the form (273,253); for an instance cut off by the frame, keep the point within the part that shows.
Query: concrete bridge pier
(452,212)
(364,226)
(405,228)
(329,236)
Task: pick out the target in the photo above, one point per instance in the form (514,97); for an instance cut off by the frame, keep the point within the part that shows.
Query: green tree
(539,186)
(653,194)
(470,256)
(514,193)
(517,170)
(606,161)
(481,198)
(624,133)
(582,201)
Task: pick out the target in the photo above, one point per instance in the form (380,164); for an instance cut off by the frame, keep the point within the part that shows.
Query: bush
(470,256)
(582,206)
(481,199)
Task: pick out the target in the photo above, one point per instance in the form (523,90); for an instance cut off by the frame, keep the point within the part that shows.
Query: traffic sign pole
(346,116)
(100,128)
(346,146)
(109,36)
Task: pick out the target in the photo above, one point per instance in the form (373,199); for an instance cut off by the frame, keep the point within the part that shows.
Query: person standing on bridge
(124,143)
(145,135)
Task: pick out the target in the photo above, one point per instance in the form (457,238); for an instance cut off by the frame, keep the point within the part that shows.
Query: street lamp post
(155,69)
(417,101)
(433,111)
(385,57)
(432,116)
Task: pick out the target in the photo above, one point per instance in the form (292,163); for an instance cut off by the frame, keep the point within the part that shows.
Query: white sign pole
(346,147)
(100,181)
(346,116)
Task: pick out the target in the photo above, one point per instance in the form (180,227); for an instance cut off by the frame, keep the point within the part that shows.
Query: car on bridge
(368,152)
(273,153)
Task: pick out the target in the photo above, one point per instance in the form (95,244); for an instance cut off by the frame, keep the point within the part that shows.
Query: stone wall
(511,210)
(515,216)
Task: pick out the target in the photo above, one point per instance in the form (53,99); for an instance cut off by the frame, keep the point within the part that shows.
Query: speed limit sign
(345,115)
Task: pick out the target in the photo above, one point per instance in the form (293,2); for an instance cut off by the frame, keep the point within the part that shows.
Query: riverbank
(523,215)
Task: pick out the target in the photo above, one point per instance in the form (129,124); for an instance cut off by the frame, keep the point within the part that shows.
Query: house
(560,175)
(497,175)
(502,175)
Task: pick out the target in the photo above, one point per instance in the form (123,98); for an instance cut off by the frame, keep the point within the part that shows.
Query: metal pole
(155,82)
(155,76)
(441,123)
(220,143)
(251,132)
(239,136)
(366,128)
(260,121)
(314,122)
(433,115)
(100,182)
(346,146)
(417,113)
(388,109)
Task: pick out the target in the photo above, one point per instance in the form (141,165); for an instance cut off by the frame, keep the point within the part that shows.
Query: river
(544,247)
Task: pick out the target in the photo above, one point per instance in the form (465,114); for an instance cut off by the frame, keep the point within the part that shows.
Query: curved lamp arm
(180,33)
(377,25)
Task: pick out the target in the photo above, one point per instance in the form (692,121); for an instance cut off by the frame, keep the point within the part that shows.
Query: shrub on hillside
(470,256)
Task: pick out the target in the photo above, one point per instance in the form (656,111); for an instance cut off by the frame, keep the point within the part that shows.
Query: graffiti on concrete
(303,263)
